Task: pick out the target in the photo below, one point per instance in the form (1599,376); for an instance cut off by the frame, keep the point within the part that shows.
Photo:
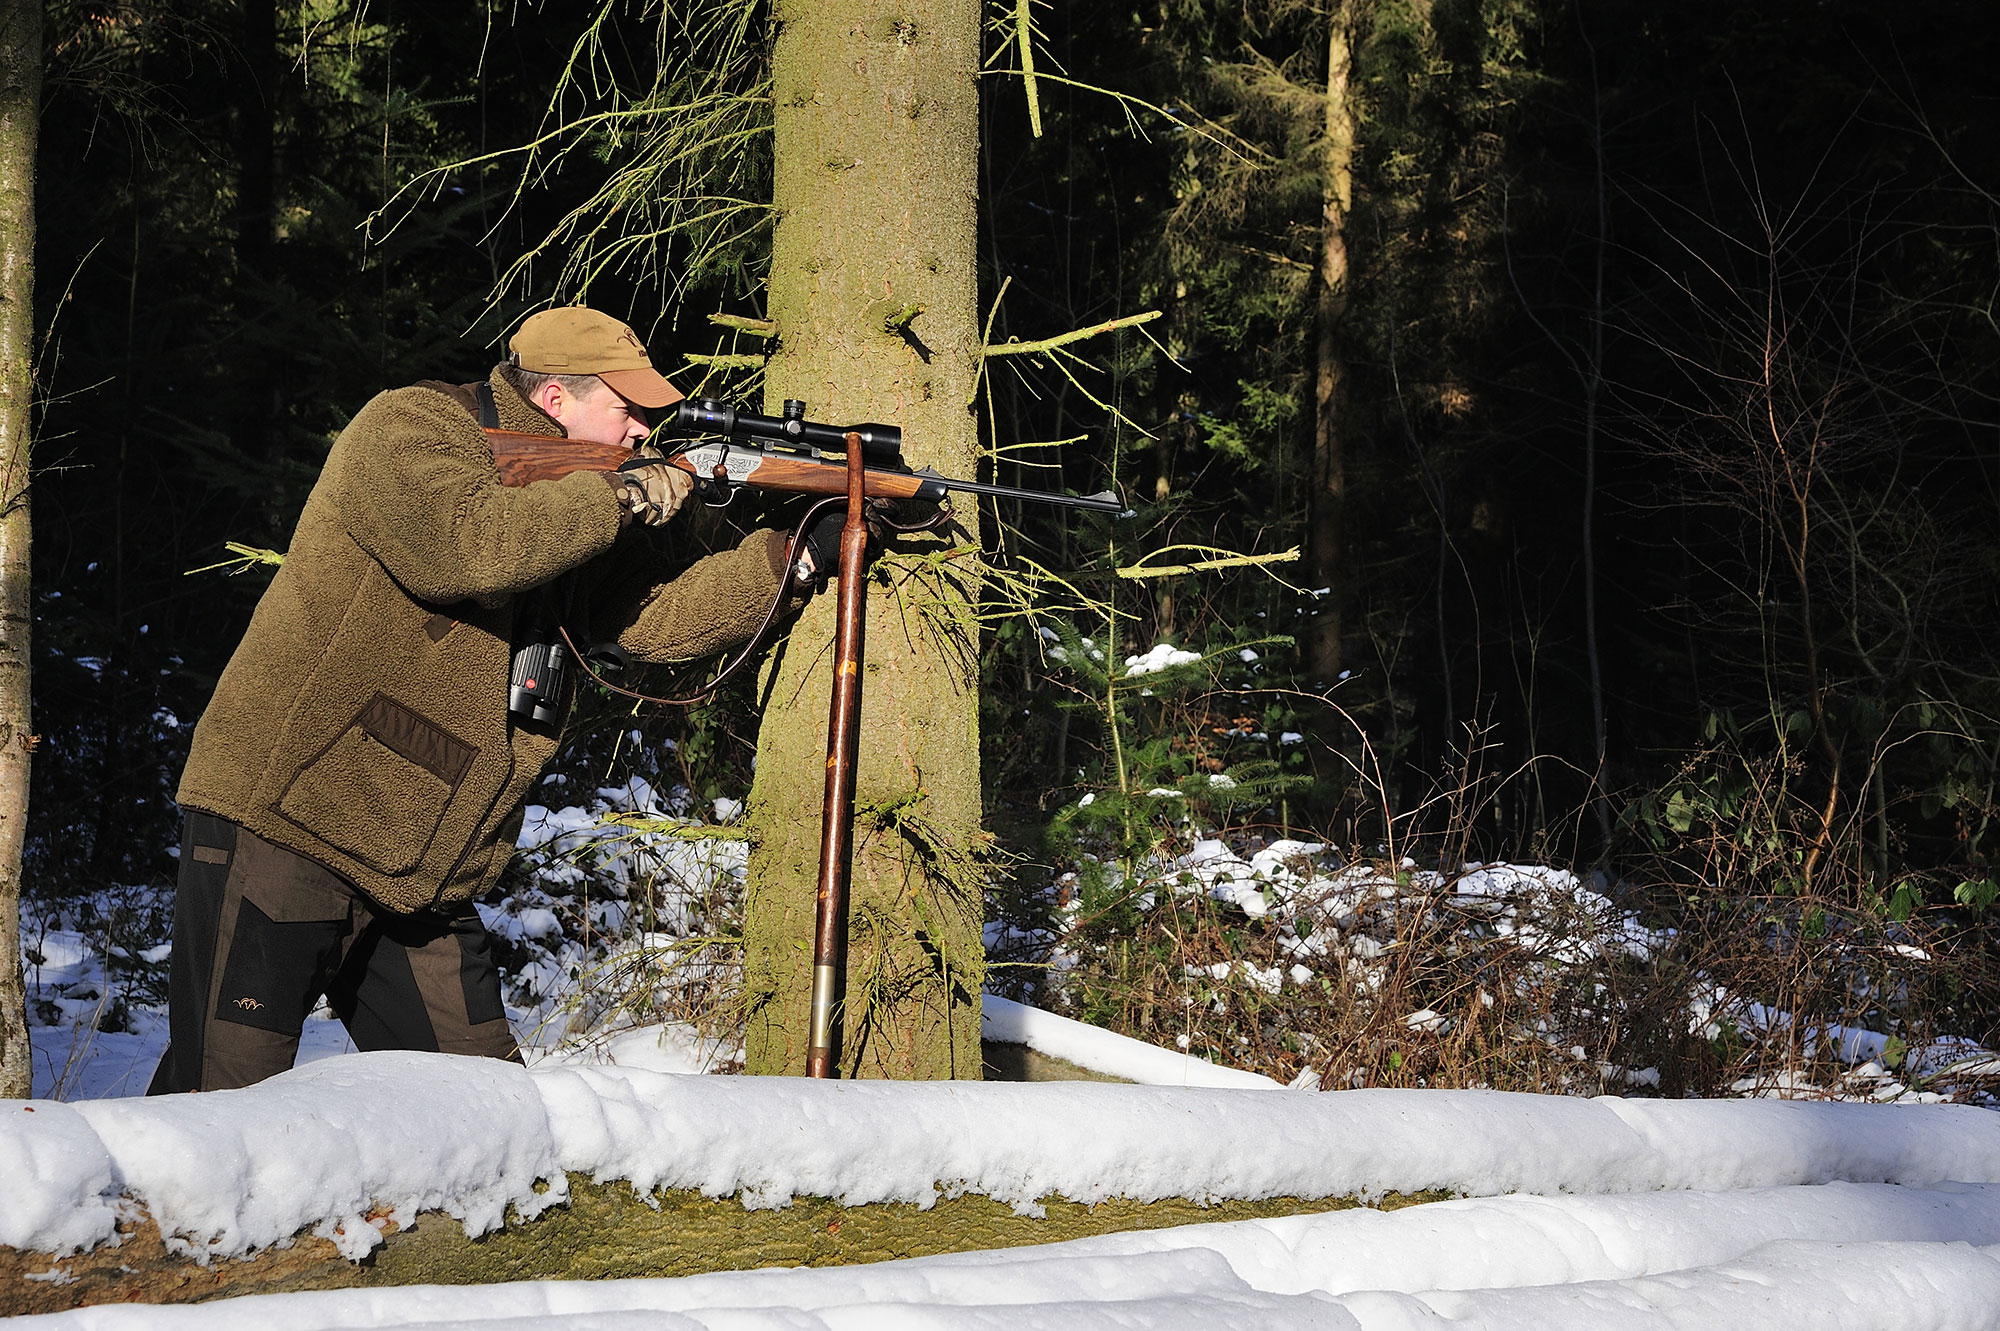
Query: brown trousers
(260,934)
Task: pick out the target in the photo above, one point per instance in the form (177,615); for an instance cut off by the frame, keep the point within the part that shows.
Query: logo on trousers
(249,1004)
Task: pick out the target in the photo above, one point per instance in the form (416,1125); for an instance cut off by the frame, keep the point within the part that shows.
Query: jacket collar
(519,414)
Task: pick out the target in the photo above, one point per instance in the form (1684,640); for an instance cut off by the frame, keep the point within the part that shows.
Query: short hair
(529,382)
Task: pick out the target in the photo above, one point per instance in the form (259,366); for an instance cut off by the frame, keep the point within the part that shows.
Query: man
(357,781)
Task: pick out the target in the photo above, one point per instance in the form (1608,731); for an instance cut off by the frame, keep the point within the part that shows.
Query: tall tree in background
(20,110)
(872,289)
(255,91)
(1328,493)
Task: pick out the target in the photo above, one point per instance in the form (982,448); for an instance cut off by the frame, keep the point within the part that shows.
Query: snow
(669,1047)
(1161,656)
(58,1180)
(331,1143)
(324,1145)
(901,1142)
(1106,1051)
(1527,1242)
(618,916)
(1891,1285)
(1251,884)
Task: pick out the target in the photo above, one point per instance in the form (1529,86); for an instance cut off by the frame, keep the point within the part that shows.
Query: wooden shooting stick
(843,736)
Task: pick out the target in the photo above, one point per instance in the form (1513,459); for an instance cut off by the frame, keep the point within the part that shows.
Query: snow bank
(1853,1286)
(1107,1052)
(772,1138)
(1760,1143)
(326,1144)
(1662,1260)
(57,1179)
(1495,1242)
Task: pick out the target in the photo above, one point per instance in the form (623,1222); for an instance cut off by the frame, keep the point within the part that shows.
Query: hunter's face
(601,417)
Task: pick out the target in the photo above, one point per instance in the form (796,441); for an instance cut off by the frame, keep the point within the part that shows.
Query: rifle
(791,461)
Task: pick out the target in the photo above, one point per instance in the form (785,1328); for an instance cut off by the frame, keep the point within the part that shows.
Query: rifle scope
(880,444)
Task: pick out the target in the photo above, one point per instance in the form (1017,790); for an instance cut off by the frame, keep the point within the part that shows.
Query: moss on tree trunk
(876,173)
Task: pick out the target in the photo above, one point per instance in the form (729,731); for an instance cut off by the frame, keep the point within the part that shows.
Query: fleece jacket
(363,722)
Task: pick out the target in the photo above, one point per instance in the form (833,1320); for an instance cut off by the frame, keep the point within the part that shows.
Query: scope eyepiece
(705,415)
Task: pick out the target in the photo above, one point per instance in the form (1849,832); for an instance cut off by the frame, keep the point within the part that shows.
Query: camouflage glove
(653,494)
(819,558)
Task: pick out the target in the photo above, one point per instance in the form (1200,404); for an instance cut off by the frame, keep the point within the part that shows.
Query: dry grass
(1709,966)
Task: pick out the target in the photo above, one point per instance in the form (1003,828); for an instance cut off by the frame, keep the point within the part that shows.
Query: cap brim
(647,387)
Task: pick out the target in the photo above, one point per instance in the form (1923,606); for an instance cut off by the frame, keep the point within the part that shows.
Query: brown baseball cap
(579,340)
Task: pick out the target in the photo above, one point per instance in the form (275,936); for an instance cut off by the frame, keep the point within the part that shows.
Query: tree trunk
(875,183)
(1328,493)
(20,110)
(252,430)
(1593,385)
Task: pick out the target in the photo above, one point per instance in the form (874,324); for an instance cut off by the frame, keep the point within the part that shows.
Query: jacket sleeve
(716,604)
(415,487)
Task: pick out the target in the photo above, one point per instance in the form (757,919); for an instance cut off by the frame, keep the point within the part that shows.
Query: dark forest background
(1666,539)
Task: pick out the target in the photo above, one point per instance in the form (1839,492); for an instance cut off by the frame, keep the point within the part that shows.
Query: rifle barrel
(1106,502)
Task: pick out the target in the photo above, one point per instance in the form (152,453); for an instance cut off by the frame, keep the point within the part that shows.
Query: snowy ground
(1579,1212)
(1576,1212)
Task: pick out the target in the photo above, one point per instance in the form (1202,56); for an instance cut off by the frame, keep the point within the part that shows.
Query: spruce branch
(763,328)
(1024,30)
(676,152)
(724,361)
(985,338)
(1220,559)
(898,321)
(1231,143)
(246,558)
(1016,348)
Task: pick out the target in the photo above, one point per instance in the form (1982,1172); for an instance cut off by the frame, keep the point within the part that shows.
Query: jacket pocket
(379,790)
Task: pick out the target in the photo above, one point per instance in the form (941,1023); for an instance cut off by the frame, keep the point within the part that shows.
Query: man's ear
(550,397)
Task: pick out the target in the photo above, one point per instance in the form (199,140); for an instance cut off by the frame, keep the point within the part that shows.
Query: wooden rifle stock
(523,459)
